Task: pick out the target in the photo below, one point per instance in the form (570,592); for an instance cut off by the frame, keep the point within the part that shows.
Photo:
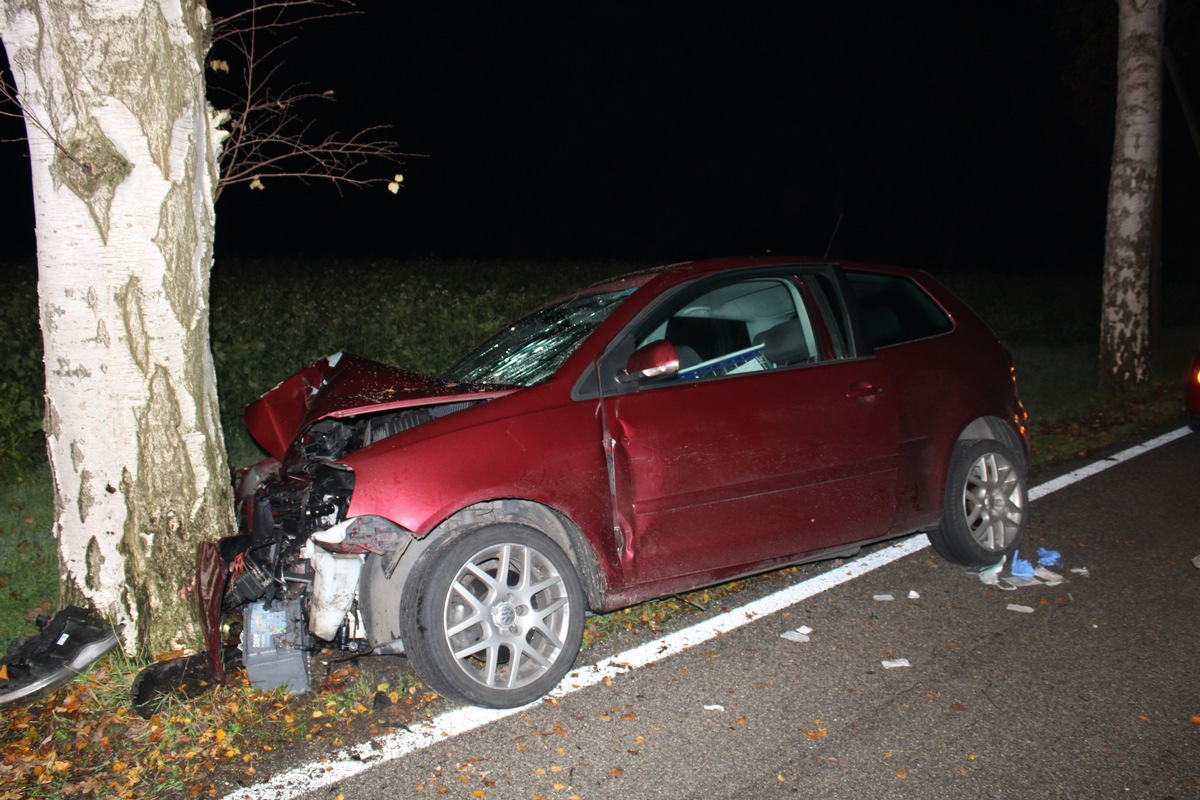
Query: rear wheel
(493,615)
(987,506)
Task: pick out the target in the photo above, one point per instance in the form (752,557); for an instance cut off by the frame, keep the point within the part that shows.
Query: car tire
(986,504)
(493,637)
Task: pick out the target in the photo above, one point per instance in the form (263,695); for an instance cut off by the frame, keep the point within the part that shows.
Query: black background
(946,135)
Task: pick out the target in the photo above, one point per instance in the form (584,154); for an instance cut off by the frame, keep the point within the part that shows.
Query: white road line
(1095,467)
(351,761)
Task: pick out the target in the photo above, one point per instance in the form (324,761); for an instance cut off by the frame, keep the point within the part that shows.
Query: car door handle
(863,389)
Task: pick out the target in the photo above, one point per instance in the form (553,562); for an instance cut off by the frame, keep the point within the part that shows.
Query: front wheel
(987,505)
(493,615)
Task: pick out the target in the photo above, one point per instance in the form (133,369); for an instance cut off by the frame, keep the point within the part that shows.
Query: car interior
(740,327)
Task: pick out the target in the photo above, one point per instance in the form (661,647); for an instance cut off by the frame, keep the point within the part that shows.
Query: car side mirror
(650,361)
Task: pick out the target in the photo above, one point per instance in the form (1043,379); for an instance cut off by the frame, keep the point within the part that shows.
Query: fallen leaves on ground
(86,741)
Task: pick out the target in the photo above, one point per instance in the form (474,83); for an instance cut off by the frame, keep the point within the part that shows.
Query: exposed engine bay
(285,587)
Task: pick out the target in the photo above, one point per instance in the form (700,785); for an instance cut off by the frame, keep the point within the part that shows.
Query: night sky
(947,135)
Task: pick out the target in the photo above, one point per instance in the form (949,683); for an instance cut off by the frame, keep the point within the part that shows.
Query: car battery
(275,646)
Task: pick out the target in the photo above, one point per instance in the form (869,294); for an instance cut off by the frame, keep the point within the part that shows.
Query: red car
(1191,398)
(665,431)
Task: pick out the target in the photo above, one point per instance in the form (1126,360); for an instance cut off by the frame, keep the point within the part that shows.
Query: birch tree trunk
(1125,311)
(123,153)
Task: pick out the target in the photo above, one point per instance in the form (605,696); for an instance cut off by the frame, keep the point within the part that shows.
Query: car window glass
(530,350)
(736,328)
(895,309)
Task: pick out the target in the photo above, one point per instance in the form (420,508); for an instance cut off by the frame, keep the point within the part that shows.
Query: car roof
(687,270)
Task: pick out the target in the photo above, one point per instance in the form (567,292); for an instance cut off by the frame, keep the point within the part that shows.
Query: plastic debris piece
(1021,568)
(884,597)
(1020,609)
(893,663)
(714,707)
(795,636)
(914,595)
(804,629)
(182,679)
(1049,558)
(1084,570)
(1049,577)
(990,576)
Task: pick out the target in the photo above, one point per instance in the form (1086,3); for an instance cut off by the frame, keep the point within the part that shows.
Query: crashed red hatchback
(665,431)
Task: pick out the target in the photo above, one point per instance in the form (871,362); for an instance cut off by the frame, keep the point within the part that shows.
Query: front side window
(532,349)
(737,327)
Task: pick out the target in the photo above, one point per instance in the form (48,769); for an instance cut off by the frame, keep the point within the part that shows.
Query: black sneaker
(66,646)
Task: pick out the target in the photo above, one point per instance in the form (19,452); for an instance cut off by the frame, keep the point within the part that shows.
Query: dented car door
(767,448)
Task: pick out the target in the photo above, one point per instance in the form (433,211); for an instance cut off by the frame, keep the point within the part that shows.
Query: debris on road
(1020,609)
(1048,577)
(1048,558)
(990,576)
(1021,568)
(894,663)
(883,598)
(800,634)
(1024,573)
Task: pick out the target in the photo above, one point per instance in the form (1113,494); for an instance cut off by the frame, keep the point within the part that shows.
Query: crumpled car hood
(343,385)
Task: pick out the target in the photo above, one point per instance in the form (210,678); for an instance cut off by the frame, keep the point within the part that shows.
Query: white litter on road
(1020,609)
(894,663)
(883,598)
(800,634)
(1048,577)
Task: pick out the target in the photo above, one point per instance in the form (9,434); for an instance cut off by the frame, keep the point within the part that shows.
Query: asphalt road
(1095,694)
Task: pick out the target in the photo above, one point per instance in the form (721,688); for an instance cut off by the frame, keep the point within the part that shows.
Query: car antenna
(833,235)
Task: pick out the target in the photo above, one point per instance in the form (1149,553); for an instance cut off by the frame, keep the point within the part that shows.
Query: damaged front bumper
(286,586)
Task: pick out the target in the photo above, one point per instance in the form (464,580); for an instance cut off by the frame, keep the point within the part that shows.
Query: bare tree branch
(268,136)
(8,94)
(276,14)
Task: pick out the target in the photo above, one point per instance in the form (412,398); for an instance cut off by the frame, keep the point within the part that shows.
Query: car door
(764,445)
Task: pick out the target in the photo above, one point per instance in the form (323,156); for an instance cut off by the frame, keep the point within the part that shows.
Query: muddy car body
(662,432)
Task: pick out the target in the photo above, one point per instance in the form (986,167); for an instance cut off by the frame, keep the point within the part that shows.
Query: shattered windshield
(530,350)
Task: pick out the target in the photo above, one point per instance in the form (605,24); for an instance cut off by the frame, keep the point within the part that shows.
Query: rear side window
(895,309)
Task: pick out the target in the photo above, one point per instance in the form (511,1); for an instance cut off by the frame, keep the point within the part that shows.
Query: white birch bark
(123,154)
(1125,311)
